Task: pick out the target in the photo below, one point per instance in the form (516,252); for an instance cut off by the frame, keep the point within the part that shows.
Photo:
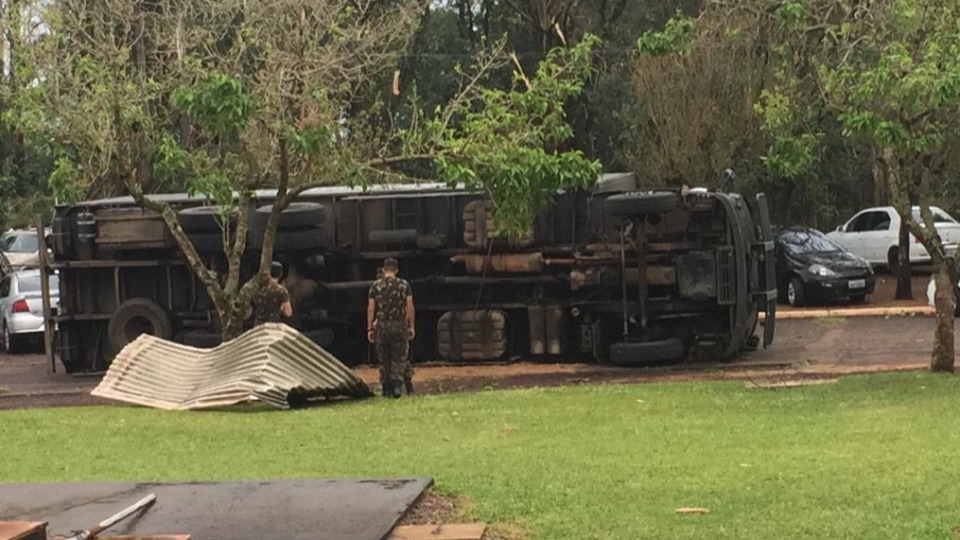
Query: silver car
(21,248)
(21,308)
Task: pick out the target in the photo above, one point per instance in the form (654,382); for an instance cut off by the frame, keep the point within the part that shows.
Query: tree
(896,82)
(698,117)
(890,72)
(24,162)
(229,96)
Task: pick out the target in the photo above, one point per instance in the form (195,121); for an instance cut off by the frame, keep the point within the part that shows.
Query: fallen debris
(271,363)
(789,384)
(139,506)
(893,311)
(23,530)
(151,537)
(455,531)
(294,509)
(692,510)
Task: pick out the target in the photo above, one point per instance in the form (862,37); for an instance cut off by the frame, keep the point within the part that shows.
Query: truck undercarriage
(624,276)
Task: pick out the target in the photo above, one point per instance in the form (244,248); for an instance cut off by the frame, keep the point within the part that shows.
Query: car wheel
(893,261)
(9,341)
(796,296)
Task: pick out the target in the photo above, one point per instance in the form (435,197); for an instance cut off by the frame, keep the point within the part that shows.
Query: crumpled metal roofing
(269,363)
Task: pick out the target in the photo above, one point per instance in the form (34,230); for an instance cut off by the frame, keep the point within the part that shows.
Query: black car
(812,267)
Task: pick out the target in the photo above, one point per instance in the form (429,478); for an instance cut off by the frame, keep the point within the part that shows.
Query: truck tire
(648,353)
(323,337)
(201,339)
(135,317)
(314,238)
(200,219)
(298,215)
(207,242)
(641,202)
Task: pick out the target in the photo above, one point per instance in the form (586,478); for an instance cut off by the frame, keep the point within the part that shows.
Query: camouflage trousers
(393,351)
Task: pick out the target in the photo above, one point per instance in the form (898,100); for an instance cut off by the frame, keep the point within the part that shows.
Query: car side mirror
(841,228)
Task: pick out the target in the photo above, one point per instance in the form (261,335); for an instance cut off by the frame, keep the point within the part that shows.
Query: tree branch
(208,277)
(399,160)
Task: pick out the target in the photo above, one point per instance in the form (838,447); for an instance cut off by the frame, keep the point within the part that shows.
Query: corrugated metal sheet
(268,363)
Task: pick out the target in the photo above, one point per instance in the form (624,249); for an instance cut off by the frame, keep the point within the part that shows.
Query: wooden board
(457,531)
(23,530)
(151,537)
(790,384)
(853,312)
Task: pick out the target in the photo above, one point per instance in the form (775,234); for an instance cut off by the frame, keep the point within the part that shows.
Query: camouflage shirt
(390,295)
(267,305)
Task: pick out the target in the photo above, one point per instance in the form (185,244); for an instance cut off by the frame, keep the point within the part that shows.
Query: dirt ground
(804,348)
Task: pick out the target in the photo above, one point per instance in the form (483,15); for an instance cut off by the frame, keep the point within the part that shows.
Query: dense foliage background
(672,119)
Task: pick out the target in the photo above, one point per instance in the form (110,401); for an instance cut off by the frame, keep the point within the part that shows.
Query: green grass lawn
(868,457)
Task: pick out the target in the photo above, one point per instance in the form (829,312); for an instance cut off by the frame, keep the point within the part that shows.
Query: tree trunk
(886,166)
(945,300)
(232,318)
(881,184)
(904,271)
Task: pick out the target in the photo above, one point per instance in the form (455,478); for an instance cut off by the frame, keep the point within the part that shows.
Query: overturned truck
(611,274)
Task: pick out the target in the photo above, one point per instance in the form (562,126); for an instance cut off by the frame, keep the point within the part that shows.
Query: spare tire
(642,202)
(296,216)
(201,218)
(135,317)
(647,353)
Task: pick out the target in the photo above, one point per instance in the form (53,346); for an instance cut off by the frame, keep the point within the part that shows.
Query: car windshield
(31,283)
(939,216)
(801,242)
(19,243)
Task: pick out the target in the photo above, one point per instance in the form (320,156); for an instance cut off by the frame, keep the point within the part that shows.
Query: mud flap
(763,252)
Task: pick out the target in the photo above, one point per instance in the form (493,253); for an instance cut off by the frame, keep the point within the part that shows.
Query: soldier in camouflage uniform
(273,302)
(408,372)
(390,325)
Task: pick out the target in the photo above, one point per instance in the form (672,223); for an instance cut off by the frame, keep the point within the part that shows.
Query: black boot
(386,389)
(396,390)
(408,385)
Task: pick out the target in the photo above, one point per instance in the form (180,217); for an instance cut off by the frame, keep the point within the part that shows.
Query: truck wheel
(796,296)
(296,216)
(201,219)
(649,353)
(135,317)
(642,202)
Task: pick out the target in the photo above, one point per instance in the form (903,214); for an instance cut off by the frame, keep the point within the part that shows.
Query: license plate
(857,284)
